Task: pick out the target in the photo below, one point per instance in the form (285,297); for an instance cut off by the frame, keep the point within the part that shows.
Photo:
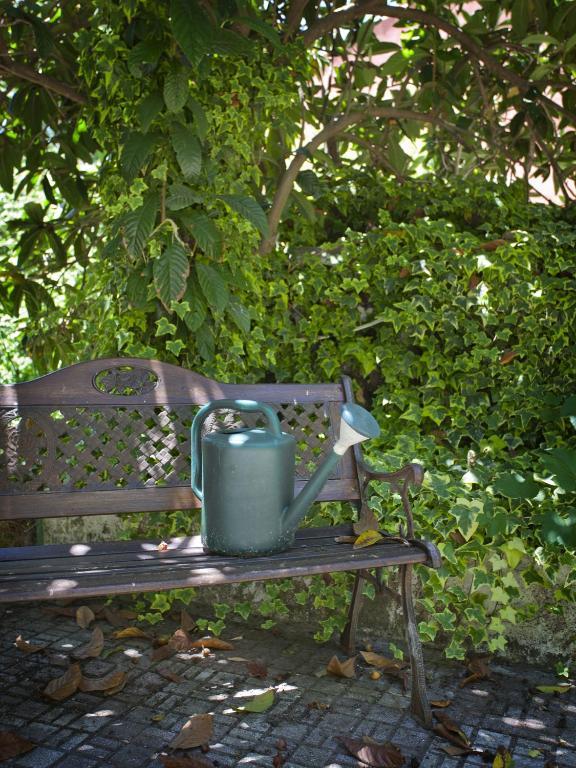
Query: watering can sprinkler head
(356,425)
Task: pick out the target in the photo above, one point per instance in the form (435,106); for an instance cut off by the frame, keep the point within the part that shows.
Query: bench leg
(420,706)
(348,636)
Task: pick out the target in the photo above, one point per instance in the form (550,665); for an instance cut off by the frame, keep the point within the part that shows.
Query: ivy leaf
(180,196)
(213,285)
(139,224)
(171,271)
(250,210)
(175,346)
(176,90)
(188,150)
(136,150)
(148,109)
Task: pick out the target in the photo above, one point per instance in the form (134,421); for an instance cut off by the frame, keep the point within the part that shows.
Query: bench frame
(111,436)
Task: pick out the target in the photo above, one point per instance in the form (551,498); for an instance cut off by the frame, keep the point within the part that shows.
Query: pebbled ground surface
(133,727)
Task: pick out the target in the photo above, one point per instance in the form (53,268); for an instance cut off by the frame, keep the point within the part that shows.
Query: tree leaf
(515,486)
(171,270)
(204,231)
(136,150)
(148,109)
(114,681)
(196,732)
(214,643)
(376,660)
(250,210)
(84,616)
(93,649)
(135,632)
(12,745)
(260,703)
(191,29)
(213,286)
(27,647)
(240,315)
(341,668)
(188,150)
(558,688)
(373,754)
(176,89)
(65,686)
(450,730)
(185,761)
(180,196)
(139,224)
(200,120)
(257,668)
(143,55)
(367,539)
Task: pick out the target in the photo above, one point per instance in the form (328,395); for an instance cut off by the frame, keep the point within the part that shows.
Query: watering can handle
(246,406)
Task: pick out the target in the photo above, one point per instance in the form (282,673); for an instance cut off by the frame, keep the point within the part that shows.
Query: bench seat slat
(49,579)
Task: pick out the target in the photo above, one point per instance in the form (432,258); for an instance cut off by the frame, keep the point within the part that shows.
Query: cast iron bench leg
(420,706)
(348,636)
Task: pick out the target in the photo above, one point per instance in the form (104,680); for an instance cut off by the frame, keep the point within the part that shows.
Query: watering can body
(245,479)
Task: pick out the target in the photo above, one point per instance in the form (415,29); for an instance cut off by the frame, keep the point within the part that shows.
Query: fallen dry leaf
(448,729)
(134,632)
(318,705)
(186,761)
(118,618)
(59,610)
(259,703)
(12,745)
(167,674)
(345,539)
(479,669)
(65,686)
(440,703)
(186,621)
(507,356)
(278,760)
(375,675)
(194,733)
(27,647)
(367,539)
(453,750)
(341,669)
(162,547)
(163,652)
(503,758)
(180,641)
(373,754)
(115,681)
(84,616)
(214,643)
(257,668)
(382,662)
(92,649)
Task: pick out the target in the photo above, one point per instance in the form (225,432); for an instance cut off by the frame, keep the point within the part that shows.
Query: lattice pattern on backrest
(88,448)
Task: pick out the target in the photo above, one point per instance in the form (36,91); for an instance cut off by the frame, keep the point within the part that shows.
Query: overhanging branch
(24,72)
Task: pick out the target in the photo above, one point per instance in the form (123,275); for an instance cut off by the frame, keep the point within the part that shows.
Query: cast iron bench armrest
(400,480)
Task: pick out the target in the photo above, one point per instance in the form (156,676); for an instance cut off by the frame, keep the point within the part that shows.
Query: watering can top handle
(246,406)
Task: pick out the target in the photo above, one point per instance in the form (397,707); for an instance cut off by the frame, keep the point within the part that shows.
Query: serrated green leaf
(259,703)
(240,315)
(148,109)
(191,29)
(176,90)
(205,342)
(34,212)
(200,120)
(144,54)
(227,41)
(264,29)
(136,150)
(171,270)
(204,231)
(57,247)
(137,288)
(139,224)
(188,150)
(213,285)
(180,196)
(250,210)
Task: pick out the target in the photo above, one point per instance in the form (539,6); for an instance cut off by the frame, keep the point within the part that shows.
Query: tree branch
(24,72)
(294,17)
(328,132)
(381,8)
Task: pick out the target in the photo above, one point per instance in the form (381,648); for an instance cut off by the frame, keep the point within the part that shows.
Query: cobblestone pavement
(133,728)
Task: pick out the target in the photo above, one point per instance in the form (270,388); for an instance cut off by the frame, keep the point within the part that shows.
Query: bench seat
(120,567)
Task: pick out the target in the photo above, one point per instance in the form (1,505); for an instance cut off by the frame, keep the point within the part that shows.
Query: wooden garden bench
(113,436)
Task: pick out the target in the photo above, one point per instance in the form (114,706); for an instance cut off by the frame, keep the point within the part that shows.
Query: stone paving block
(76,761)
(39,758)
(130,756)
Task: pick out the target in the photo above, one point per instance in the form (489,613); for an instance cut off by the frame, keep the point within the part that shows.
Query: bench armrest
(400,480)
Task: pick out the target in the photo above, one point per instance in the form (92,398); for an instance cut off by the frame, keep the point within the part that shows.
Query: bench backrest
(113,436)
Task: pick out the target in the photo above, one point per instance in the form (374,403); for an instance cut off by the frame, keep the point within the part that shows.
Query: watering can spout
(356,425)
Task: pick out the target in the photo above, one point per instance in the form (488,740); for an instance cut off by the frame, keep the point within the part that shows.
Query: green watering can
(245,478)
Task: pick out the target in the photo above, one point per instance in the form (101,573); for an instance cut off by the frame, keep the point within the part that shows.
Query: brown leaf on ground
(12,745)
(180,641)
(479,669)
(507,356)
(134,632)
(318,705)
(163,652)
(194,733)
(440,703)
(84,616)
(341,668)
(65,686)
(59,610)
(257,668)
(113,681)
(453,750)
(214,643)
(368,538)
(448,729)
(27,647)
(186,761)
(186,621)
(370,752)
(382,662)
(345,539)
(278,760)
(167,674)
(118,618)
(92,649)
